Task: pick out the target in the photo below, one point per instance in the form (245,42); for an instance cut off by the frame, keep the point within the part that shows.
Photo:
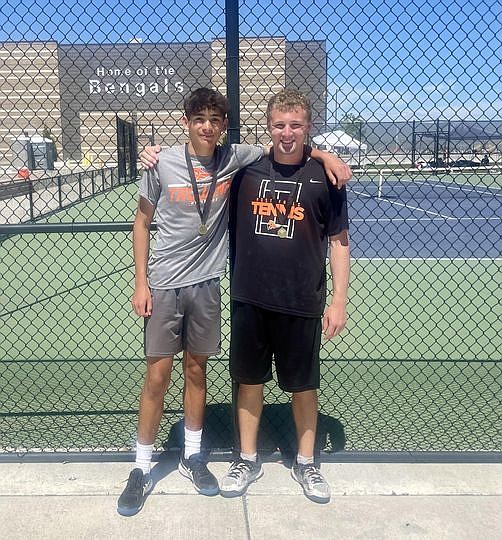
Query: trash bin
(19,149)
(34,152)
(41,154)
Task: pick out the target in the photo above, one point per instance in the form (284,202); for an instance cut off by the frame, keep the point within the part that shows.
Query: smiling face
(288,129)
(204,130)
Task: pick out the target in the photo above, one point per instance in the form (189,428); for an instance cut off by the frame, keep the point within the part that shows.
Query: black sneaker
(138,487)
(195,469)
(241,473)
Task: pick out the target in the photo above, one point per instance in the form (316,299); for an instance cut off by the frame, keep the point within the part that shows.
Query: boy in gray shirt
(177,284)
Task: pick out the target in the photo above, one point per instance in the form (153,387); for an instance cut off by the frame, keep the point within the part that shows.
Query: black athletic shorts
(259,334)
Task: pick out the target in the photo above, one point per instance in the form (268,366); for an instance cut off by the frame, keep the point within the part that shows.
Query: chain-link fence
(408,93)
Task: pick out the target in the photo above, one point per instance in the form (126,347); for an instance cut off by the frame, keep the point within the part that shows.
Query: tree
(353,125)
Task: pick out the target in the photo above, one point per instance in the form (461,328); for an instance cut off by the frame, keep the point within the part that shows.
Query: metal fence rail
(407,93)
(33,199)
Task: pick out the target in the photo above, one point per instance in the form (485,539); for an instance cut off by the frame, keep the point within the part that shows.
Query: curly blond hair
(287,100)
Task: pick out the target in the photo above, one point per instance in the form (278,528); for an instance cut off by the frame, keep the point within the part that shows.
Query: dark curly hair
(205,98)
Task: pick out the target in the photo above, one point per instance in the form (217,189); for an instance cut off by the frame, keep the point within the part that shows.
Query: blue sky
(387,60)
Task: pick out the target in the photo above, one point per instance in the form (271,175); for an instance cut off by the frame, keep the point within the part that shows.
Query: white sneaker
(312,481)
(241,473)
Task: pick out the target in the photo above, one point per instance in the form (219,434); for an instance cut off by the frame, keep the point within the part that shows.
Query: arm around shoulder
(338,172)
(148,157)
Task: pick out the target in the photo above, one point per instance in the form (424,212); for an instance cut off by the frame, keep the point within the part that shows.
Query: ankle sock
(250,457)
(192,442)
(302,460)
(144,456)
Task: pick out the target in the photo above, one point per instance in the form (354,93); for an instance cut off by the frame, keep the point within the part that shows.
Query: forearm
(319,155)
(340,266)
(141,249)
(335,315)
(337,171)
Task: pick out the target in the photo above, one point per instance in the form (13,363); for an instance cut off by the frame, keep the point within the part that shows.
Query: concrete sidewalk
(369,501)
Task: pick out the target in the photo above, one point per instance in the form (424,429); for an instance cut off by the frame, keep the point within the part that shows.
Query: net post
(380,182)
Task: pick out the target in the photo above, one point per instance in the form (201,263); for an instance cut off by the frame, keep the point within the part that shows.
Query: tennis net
(409,184)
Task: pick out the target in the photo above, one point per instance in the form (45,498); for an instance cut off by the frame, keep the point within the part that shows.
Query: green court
(418,367)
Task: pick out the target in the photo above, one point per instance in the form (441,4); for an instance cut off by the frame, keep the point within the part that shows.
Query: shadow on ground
(277,432)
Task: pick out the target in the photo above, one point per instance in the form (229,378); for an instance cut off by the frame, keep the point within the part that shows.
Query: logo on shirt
(180,192)
(280,212)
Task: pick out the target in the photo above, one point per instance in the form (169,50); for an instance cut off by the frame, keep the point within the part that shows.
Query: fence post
(447,160)
(30,198)
(436,146)
(232,58)
(60,195)
(360,143)
(380,183)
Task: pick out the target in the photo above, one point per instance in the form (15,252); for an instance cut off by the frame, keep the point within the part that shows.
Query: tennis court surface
(417,369)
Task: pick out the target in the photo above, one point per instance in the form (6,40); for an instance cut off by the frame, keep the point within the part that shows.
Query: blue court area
(456,215)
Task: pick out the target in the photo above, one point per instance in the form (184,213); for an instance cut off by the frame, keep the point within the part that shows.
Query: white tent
(339,142)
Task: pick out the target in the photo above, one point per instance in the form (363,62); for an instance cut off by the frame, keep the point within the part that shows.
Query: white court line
(454,187)
(406,259)
(403,205)
(390,220)
(494,191)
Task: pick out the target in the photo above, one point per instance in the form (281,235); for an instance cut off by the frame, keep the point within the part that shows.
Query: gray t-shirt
(181,256)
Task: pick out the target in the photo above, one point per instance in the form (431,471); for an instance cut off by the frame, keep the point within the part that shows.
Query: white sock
(302,460)
(144,456)
(250,457)
(192,442)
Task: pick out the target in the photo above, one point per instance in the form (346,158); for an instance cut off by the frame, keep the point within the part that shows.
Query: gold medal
(282,233)
(202,229)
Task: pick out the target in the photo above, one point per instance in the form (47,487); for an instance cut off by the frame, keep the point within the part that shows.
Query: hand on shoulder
(149,156)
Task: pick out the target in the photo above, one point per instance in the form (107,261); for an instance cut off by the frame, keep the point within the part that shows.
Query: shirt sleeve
(247,153)
(338,214)
(149,186)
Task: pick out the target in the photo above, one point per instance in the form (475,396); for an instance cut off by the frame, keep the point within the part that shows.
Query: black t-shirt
(278,245)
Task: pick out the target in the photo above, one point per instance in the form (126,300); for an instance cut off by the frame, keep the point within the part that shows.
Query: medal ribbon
(203,212)
(297,177)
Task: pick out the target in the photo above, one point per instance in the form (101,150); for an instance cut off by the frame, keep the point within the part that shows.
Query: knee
(195,369)
(156,384)
(305,398)
(251,391)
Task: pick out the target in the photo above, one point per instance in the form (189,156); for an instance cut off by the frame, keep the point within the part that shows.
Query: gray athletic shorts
(187,318)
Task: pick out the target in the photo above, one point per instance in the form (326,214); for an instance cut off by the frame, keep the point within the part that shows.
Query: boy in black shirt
(284,213)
